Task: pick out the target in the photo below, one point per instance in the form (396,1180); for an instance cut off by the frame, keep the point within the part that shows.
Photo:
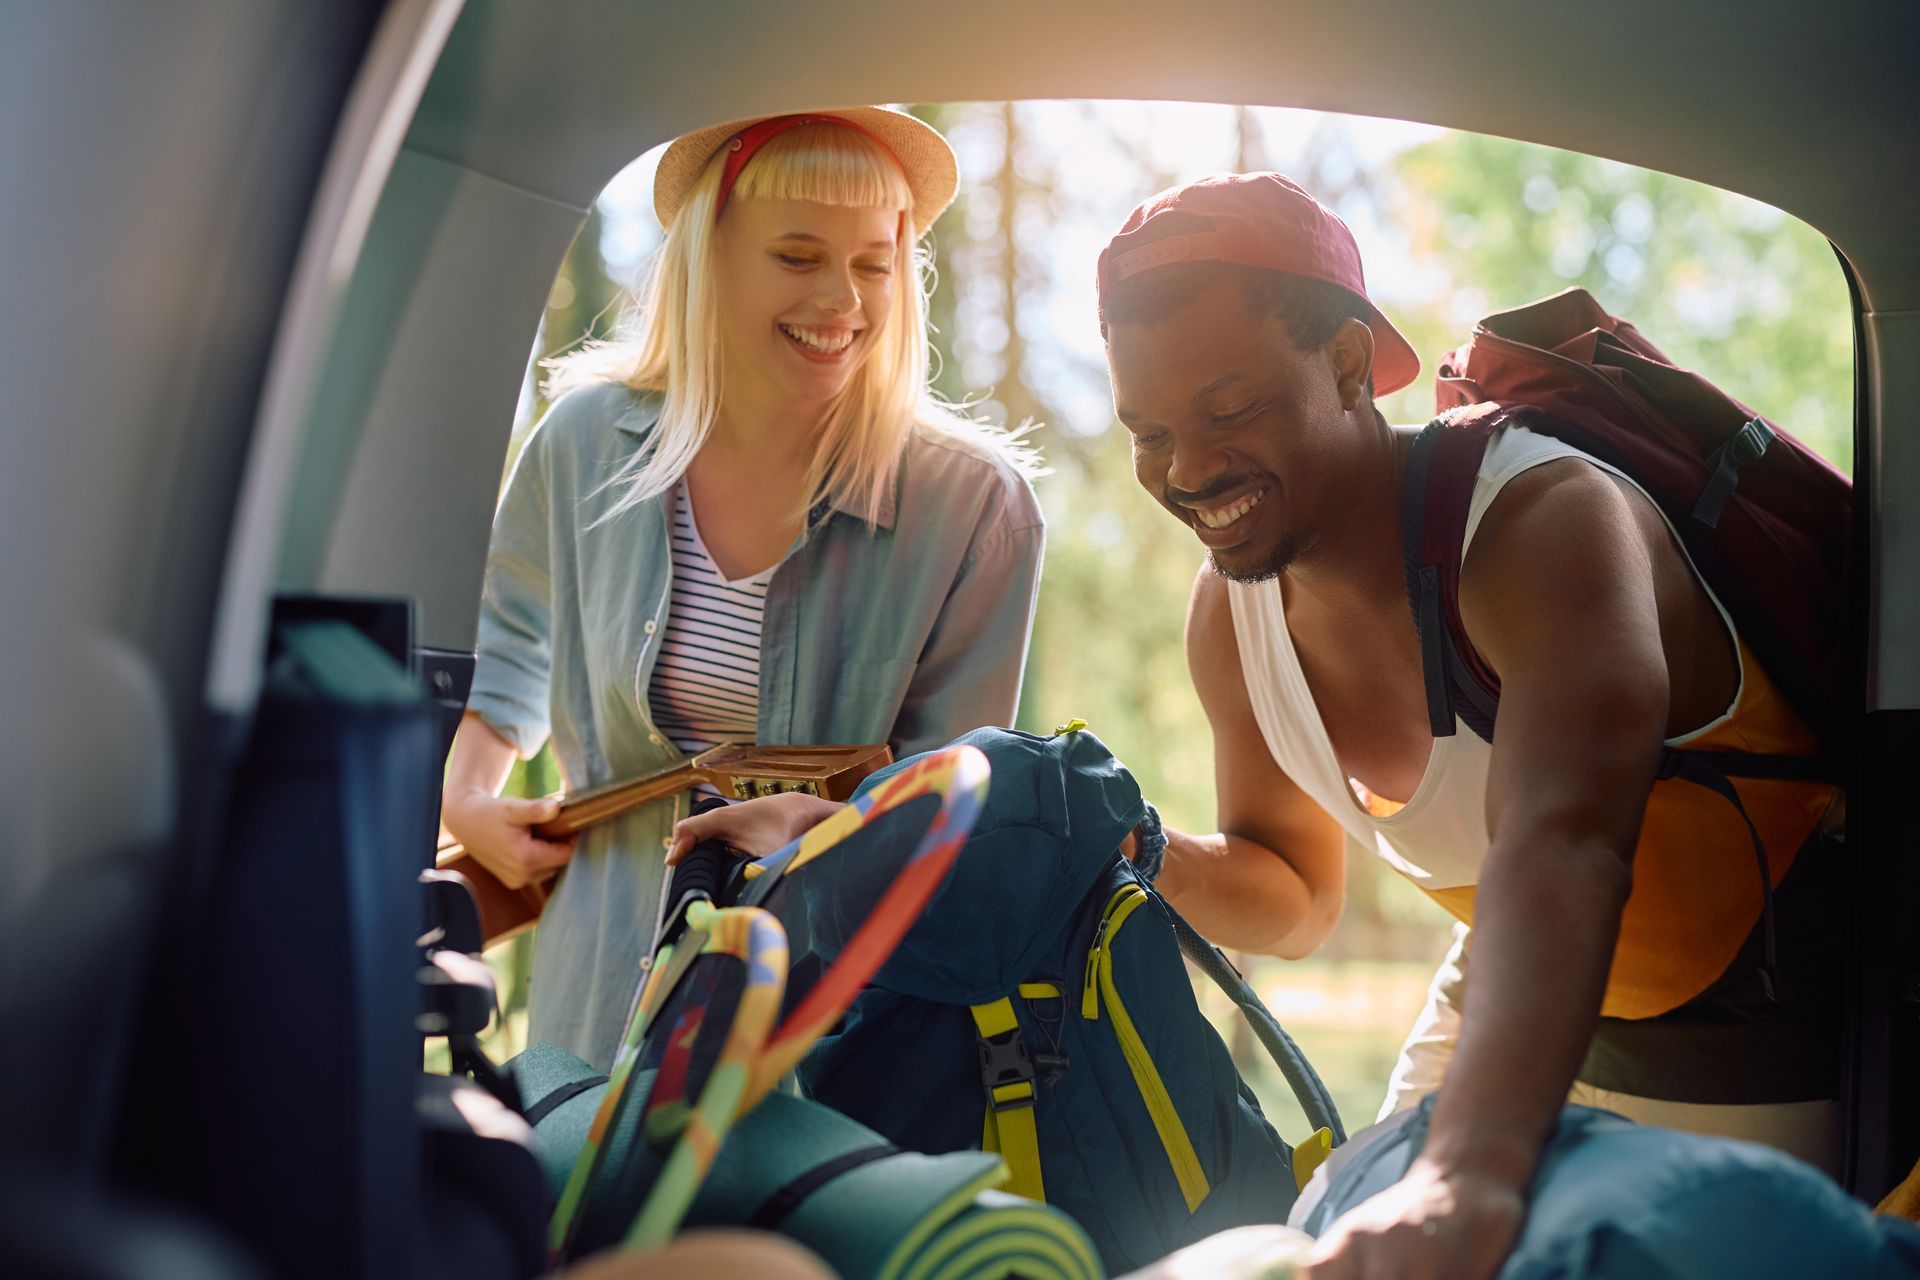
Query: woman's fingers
(496,831)
(529,810)
(754,827)
(548,855)
(688,832)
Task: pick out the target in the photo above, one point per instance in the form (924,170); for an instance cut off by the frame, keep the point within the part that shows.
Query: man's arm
(1558,593)
(1564,596)
(1273,878)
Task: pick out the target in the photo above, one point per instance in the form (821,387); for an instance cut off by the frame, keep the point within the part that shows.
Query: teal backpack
(1040,1008)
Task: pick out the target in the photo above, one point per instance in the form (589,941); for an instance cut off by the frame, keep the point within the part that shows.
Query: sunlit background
(1451,226)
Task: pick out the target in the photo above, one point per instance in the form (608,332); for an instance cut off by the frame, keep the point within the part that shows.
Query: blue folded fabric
(1615,1200)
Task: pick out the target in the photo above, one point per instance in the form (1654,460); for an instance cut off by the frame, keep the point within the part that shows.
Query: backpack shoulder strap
(1305,1083)
(1436,495)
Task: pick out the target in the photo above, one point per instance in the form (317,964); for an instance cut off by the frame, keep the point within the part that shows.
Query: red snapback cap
(1253,220)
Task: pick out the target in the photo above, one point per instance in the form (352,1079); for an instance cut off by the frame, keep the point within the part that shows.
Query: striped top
(706,683)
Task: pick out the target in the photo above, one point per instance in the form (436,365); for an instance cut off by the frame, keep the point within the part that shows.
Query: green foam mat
(906,1216)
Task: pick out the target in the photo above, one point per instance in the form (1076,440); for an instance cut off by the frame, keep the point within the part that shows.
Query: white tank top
(1439,839)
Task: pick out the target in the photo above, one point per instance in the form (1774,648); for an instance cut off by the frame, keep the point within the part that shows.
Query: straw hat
(932,173)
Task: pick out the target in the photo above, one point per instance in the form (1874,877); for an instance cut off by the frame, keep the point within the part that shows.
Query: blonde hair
(677,351)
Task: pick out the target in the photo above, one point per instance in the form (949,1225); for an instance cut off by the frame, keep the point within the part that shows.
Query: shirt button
(666,842)
(651,626)
(656,740)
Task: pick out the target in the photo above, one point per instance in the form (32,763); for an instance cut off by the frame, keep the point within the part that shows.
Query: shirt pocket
(868,695)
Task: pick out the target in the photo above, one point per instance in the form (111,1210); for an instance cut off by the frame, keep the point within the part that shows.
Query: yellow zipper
(1090,989)
(1146,1077)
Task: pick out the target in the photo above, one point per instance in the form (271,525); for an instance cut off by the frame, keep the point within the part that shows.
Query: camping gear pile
(858,959)
(686,1131)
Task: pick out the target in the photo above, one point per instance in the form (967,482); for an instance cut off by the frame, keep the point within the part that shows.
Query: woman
(754,524)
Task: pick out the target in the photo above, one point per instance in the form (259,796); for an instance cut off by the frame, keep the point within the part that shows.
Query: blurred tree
(943,301)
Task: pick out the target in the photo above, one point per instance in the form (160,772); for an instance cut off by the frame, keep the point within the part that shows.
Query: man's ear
(1351,351)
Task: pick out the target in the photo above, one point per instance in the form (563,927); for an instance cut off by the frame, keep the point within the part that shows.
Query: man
(1245,357)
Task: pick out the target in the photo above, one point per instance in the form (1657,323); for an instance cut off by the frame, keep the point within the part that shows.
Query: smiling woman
(810,296)
(828,202)
(764,461)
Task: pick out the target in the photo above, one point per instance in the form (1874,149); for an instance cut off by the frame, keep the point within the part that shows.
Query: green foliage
(1733,289)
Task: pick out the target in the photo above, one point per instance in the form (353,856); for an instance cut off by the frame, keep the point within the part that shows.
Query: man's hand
(495,830)
(753,827)
(1430,1225)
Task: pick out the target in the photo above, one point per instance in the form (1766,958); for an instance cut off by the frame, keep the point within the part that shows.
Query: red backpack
(1767,521)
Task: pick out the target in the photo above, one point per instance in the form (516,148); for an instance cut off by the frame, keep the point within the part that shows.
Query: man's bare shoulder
(1564,545)
(1213,651)
(1207,604)
(1209,614)
(1565,507)
(1564,488)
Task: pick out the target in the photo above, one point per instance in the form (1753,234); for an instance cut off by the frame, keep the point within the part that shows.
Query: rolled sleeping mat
(1614,1200)
(1000,1237)
(874,1212)
(829,1183)
(705,1255)
(559,1095)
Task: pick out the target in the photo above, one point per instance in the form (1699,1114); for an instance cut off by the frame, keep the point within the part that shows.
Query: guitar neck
(595,805)
(737,771)
(830,771)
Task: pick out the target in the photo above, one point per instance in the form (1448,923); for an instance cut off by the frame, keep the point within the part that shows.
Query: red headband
(743,145)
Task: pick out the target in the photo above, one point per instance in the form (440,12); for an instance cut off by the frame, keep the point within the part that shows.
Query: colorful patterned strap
(958,777)
(746,936)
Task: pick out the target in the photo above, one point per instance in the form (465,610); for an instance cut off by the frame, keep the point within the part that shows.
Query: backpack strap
(791,1194)
(1006,1076)
(1740,450)
(1435,499)
(1308,1089)
(1709,770)
(1435,496)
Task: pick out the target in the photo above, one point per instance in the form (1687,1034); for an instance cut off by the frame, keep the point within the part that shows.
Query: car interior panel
(266,304)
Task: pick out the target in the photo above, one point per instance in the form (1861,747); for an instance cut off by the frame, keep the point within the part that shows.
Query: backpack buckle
(1750,442)
(1742,449)
(1005,1064)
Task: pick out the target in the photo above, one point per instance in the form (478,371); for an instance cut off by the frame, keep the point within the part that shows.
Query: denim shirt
(910,632)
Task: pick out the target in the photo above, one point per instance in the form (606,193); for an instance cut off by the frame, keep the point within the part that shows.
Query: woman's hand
(496,831)
(753,827)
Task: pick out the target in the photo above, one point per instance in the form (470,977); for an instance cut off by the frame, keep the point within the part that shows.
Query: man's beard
(1266,571)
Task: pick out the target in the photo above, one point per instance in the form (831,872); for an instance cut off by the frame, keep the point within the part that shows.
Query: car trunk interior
(267,310)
